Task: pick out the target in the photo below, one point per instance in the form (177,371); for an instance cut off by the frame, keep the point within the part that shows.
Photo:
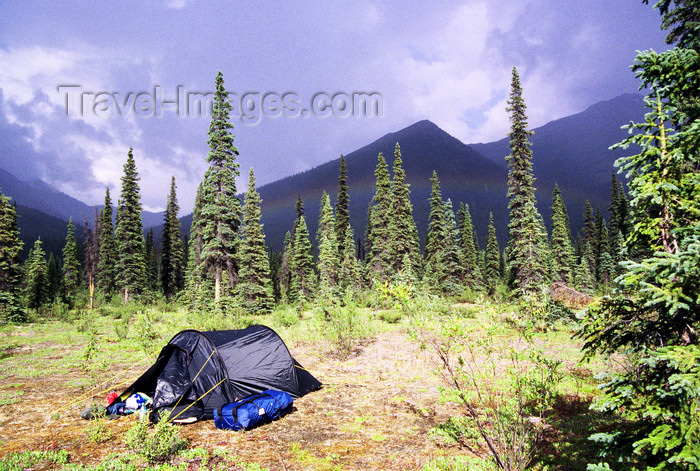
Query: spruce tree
(300,211)
(435,237)
(107,260)
(10,267)
(526,251)
(584,280)
(469,251)
(71,266)
(302,282)
(53,278)
(368,236)
(285,267)
(342,205)
(563,258)
(254,266)
(221,209)
(492,269)
(450,267)
(91,258)
(194,277)
(36,285)
(151,261)
(402,226)
(380,261)
(328,258)
(131,264)
(653,316)
(349,272)
(171,271)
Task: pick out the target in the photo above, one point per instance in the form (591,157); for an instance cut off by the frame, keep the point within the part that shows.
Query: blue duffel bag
(252,411)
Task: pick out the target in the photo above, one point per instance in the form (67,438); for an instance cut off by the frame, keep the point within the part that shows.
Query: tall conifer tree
(562,251)
(71,265)
(131,262)
(342,211)
(328,258)
(469,251)
(36,284)
(402,226)
(107,260)
(349,273)
(221,209)
(91,257)
(10,268)
(492,269)
(303,277)
(254,266)
(151,261)
(380,262)
(526,248)
(171,271)
(195,267)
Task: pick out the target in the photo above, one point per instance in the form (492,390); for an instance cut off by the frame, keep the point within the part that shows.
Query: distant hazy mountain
(42,198)
(574,151)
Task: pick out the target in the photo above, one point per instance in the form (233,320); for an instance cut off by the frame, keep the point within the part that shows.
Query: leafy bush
(344,325)
(505,389)
(155,443)
(285,317)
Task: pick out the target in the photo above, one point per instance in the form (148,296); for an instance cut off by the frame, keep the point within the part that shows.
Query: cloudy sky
(79,84)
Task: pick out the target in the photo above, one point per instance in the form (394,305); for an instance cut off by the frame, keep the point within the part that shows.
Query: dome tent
(196,372)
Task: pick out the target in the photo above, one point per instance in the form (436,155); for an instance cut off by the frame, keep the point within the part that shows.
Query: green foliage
(328,259)
(492,271)
(107,263)
(527,246)
(220,212)
(172,275)
(342,205)
(157,443)
(10,270)
(344,325)
(471,272)
(35,282)
(442,269)
(653,316)
(405,247)
(302,274)
(505,390)
(461,463)
(379,252)
(254,285)
(397,295)
(561,248)
(32,459)
(71,265)
(131,264)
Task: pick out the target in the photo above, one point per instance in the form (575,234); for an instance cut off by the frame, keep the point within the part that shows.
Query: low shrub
(155,443)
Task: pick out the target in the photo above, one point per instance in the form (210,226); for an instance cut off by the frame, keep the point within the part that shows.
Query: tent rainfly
(196,372)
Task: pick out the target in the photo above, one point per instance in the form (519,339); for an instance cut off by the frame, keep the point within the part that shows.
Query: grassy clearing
(381,406)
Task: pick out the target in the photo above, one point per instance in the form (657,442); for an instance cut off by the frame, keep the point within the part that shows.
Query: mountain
(47,201)
(574,153)
(464,175)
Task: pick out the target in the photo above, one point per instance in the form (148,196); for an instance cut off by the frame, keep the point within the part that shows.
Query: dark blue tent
(196,372)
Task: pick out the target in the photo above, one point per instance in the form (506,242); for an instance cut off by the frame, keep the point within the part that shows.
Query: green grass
(58,348)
